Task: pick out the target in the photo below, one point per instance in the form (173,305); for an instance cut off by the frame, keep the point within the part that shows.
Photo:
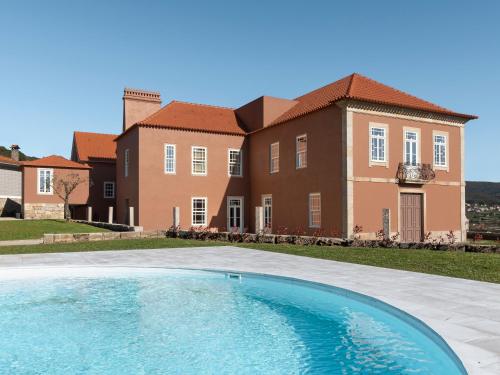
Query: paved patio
(465,313)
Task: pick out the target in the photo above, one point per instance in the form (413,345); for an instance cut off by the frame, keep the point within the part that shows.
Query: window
(235,213)
(235,162)
(314,210)
(440,150)
(170,159)
(126,162)
(301,149)
(274,158)
(109,189)
(267,204)
(377,136)
(199,211)
(45,177)
(411,139)
(199,161)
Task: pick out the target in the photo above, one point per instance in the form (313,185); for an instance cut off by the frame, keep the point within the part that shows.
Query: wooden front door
(411,217)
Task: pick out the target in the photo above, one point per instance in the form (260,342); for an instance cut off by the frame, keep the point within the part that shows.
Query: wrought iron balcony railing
(415,174)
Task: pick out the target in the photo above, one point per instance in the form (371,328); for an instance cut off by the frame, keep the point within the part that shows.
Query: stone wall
(101,236)
(10,181)
(43,211)
(115,227)
(10,206)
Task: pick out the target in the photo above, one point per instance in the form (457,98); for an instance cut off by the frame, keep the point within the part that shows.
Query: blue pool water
(159,321)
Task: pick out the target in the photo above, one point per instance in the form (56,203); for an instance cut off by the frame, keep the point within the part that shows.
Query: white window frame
(112,183)
(385,128)
(229,151)
(311,225)
(192,161)
(297,152)
(126,161)
(444,166)
(277,145)
(192,212)
(242,212)
(38,186)
(417,141)
(174,159)
(264,197)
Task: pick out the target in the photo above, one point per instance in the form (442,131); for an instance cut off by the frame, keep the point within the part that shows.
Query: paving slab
(466,313)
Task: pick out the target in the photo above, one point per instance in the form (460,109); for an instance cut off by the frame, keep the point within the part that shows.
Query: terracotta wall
(442,203)
(361,146)
(127,188)
(102,171)
(290,187)
(30,186)
(158,192)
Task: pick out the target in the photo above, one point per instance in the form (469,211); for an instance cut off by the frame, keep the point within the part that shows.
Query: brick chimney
(139,104)
(14,152)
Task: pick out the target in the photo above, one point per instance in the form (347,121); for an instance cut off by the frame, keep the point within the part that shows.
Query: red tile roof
(55,161)
(95,146)
(200,117)
(7,160)
(358,87)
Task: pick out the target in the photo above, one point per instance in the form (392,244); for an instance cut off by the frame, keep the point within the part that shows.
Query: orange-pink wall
(395,125)
(101,172)
(442,203)
(127,188)
(290,187)
(158,192)
(30,186)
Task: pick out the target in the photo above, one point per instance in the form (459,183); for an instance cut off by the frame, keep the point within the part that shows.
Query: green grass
(475,266)
(144,243)
(32,229)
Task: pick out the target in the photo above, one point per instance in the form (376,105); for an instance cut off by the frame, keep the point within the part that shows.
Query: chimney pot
(139,104)
(14,152)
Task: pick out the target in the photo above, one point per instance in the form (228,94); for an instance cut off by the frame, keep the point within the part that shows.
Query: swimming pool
(114,320)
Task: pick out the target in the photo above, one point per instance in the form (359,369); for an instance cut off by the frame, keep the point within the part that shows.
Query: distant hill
(482,192)
(4,151)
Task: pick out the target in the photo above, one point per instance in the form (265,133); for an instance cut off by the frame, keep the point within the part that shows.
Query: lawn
(475,266)
(144,243)
(32,229)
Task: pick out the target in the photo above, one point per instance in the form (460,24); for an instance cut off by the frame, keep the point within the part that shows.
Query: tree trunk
(67,212)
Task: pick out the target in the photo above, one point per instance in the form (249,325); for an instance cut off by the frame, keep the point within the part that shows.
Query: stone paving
(465,313)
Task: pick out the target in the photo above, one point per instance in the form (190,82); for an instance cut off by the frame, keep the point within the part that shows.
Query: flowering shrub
(451,237)
(319,232)
(299,231)
(356,232)
(335,233)
(282,231)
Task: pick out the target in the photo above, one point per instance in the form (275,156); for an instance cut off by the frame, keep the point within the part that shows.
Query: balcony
(415,174)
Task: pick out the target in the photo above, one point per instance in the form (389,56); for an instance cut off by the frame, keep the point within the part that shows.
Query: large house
(98,151)
(43,188)
(355,157)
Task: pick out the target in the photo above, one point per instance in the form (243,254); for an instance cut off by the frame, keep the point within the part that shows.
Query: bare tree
(64,186)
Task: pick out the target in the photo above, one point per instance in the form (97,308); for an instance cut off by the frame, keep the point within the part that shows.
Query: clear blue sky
(64,64)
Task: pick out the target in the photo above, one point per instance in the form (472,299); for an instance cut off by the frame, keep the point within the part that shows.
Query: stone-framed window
(301,151)
(199,161)
(45,177)
(314,210)
(199,211)
(235,162)
(109,189)
(274,158)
